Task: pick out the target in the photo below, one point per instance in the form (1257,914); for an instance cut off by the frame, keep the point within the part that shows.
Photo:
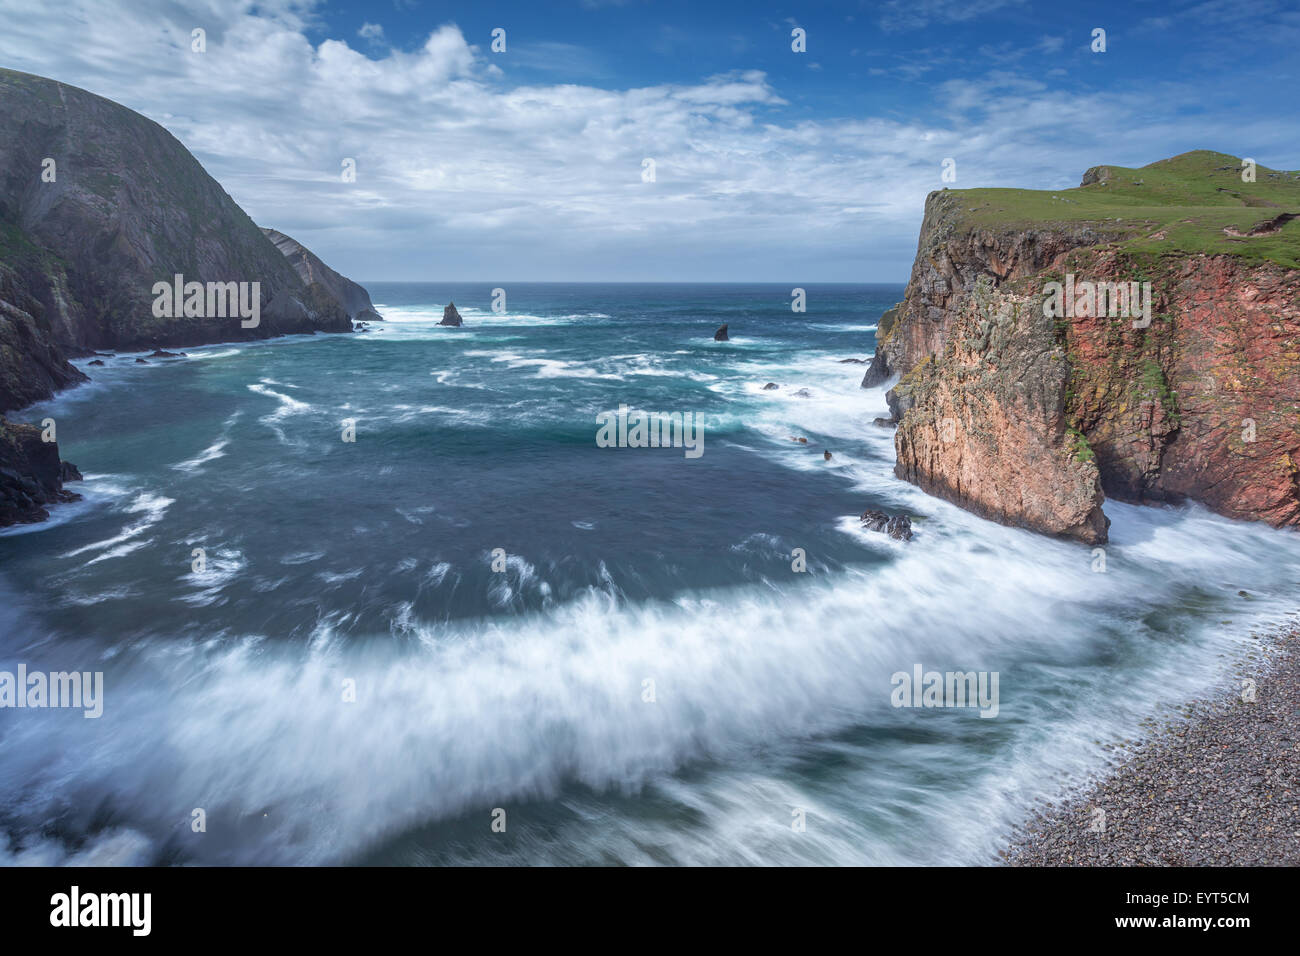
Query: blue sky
(528,164)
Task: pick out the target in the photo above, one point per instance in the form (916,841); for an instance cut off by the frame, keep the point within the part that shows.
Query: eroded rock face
(1205,403)
(32,367)
(31,475)
(984,424)
(353,297)
(1031,421)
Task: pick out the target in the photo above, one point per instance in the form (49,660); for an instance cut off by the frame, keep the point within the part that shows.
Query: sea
(383,598)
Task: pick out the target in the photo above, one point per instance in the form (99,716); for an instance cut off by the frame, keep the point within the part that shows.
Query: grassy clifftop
(1192,203)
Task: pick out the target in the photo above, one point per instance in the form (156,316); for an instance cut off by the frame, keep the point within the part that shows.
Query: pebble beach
(1217,786)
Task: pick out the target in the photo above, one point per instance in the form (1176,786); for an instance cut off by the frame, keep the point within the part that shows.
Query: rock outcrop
(721,334)
(1031,417)
(450,316)
(31,475)
(353,297)
(898,527)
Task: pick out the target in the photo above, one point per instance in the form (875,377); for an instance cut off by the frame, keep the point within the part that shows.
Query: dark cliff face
(353,297)
(31,475)
(122,206)
(97,205)
(1031,420)
(32,366)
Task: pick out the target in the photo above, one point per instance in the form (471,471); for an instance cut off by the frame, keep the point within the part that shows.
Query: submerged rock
(721,334)
(826,455)
(898,527)
(141,362)
(450,316)
(159,353)
(95,362)
(770,386)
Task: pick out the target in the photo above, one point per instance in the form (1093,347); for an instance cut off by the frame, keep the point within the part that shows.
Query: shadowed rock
(721,334)
(450,316)
(31,475)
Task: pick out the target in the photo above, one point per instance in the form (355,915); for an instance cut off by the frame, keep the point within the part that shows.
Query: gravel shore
(1219,787)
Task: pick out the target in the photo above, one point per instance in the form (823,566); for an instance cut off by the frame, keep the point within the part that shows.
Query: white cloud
(462,173)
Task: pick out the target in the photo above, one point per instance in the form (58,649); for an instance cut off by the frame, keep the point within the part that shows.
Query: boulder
(721,334)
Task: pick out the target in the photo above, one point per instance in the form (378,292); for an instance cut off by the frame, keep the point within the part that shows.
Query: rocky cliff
(31,475)
(1030,411)
(97,205)
(353,297)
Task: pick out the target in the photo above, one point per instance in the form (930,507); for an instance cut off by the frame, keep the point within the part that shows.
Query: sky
(528,163)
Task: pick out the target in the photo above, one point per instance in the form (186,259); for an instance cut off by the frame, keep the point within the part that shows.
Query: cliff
(31,475)
(353,297)
(1031,417)
(99,203)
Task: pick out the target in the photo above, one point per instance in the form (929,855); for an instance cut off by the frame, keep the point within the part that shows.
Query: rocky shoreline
(1219,786)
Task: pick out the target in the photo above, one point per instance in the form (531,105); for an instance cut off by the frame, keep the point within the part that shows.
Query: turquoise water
(369,565)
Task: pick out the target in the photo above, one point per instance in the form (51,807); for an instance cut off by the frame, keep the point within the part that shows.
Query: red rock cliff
(1031,419)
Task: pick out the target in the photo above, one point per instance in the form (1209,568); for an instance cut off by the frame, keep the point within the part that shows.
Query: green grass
(1177,205)
(1079,446)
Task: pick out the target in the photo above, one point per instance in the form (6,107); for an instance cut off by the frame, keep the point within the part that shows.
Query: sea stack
(721,334)
(450,316)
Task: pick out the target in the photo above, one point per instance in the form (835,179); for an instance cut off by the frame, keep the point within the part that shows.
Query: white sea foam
(152,508)
(211,453)
(489,714)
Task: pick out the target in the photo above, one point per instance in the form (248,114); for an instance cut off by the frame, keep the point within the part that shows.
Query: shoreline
(1217,786)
